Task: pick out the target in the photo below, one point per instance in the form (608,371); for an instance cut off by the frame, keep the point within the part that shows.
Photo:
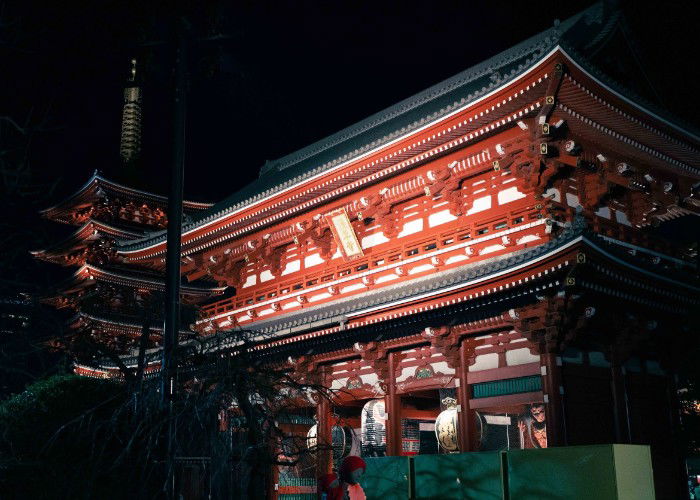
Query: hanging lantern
(342,438)
(312,437)
(446,425)
(374,419)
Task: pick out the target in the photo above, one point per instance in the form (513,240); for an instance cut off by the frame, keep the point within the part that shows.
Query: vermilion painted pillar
(324,455)
(273,477)
(464,418)
(393,408)
(553,392)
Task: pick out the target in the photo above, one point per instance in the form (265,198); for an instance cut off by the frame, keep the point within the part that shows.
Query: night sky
(284,76)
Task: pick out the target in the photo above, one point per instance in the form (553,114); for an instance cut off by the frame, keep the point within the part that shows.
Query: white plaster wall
(522,356)
(250,281)
(339,383)
(406,371)
(441,217)
(491,249)
(292,267)
(456,258)
(373,240)
(442,367)
(485,362)
(621,217)
(370,378)
(313,260)
(572,200)
(527,239)
(351,288)
(420,269)
(555,192)
(508,195)
(411,227)
(480,204)
(603,212)
(319,296)
(386,277)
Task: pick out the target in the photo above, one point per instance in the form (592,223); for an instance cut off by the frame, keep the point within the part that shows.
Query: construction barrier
(603,472)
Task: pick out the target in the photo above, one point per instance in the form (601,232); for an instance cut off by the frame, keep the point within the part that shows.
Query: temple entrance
(419,410)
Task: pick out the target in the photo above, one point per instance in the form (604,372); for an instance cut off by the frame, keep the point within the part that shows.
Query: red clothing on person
(354,491)
(324,486)
(350,464)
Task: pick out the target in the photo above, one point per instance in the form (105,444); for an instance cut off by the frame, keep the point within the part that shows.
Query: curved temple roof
(582,36)
(92,188)
(677,291)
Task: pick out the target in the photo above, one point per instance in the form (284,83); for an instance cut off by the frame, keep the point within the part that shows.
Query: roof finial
(130,146)
(132,77)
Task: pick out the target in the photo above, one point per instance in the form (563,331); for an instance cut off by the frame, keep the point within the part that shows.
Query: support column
(273,477)
(324,455)
(393,408)
(619,396)
(553,397)
(464,417)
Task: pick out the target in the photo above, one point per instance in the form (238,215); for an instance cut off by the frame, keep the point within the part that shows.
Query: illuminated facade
(484,246)
(111,303)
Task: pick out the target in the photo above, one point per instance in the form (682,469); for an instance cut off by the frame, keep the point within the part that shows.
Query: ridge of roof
(119,320)
(474,83)
(583,32)
(75,235)
(97,178)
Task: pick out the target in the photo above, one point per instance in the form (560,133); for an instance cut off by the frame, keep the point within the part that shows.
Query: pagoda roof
(97,187)
(79,239)
(580,38)
(117,323)
(85,277)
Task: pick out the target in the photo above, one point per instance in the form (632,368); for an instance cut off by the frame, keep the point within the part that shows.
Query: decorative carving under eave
(377,355)
(305,370)
(316,231)
(553,322)
(445,341)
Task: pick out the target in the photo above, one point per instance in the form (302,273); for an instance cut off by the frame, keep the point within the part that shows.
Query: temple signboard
(344,234)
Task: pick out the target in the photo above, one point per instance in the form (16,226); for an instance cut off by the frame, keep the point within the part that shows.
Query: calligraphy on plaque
(344,234)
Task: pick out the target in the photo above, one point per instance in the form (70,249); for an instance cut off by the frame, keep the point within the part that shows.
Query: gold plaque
(344,234)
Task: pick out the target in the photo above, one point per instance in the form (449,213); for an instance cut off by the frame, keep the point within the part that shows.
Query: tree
(74,437)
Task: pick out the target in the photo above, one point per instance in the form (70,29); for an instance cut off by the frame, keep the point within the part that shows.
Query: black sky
(287,74)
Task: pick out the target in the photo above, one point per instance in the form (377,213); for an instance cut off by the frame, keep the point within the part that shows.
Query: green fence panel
(386,478)
(603,472)
(633,472)
(461,475)
(506,386)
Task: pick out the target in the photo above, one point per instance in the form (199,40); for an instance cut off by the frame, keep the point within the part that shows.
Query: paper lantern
(374,419)
(343,439)
(446,429)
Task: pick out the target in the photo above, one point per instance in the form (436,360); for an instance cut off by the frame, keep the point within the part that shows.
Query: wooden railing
(379,256)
